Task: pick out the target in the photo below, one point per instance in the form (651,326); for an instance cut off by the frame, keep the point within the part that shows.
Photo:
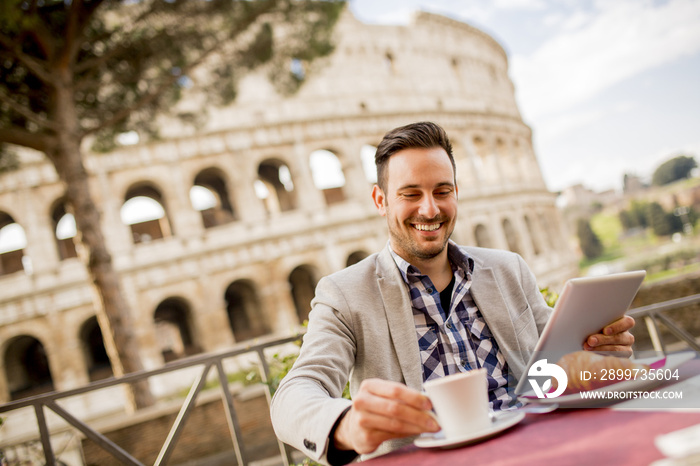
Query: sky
(608,87)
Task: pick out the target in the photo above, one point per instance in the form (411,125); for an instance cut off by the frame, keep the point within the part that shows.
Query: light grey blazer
(361,326)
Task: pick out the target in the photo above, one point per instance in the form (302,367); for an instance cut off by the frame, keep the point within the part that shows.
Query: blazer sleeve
(540,310)
(308,402)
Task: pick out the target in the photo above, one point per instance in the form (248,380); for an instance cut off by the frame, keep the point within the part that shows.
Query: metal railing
(208,361)
(651,314)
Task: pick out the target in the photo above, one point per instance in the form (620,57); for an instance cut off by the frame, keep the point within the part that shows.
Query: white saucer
(500,423)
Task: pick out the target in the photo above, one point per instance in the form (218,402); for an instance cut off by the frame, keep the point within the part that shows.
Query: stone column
(309,198)
(356,185)
(186,221)
(243,174)
(41,246)
(69,355)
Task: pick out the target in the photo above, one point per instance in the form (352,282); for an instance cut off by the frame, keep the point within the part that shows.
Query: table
(565,437)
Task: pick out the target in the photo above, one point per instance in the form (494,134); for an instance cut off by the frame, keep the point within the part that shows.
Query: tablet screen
(584,307)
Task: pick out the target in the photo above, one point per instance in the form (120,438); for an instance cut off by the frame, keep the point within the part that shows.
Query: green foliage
(652,215)
(121,63)
(635,216)
(673,170)
(659,221)
(308,462)
(280,365)
(591,245)
(550,296)
(658,263)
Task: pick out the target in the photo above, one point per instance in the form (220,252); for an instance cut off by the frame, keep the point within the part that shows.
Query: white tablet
(584,307)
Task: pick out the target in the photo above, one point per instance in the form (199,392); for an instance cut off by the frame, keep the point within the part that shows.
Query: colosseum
(239,219)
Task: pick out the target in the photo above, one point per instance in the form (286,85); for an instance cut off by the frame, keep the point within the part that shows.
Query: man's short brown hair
(424,134)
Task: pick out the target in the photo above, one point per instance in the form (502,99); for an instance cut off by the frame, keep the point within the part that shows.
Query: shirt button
(465,363)
(429,291)
(449,326)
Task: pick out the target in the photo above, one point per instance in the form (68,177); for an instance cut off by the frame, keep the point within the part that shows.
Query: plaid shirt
(456,339)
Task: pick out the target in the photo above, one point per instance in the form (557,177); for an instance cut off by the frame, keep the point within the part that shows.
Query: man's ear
(379,198)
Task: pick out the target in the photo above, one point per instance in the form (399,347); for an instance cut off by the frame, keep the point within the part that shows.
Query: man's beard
(408,243)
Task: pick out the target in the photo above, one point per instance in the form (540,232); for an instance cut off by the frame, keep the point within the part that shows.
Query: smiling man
(420,309)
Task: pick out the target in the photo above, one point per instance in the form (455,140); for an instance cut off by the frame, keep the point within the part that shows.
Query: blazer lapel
(399,316)
(489,299)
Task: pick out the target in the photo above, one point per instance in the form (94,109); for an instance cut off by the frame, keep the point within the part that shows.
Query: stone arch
(302,283)
(369,168)
(521,164)
(245,313)
(172,319)
(64,230)
(507,160)
(145,212)
(27,367)
(93,345)
(275,186)
(390,61)
(13,240)
(485,161)
(210,196)
(455,65)
(327,174)
(482,236)
(355,257)
(512,236)
(534,235)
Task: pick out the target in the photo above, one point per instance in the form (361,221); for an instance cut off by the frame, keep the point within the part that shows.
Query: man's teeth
(427,227)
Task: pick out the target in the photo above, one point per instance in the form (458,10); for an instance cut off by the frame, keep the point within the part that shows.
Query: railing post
(231,417)
(182,416)
(653,330)
(285,452)
(44,433)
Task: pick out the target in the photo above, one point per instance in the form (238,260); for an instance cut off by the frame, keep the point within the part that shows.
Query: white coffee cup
(461,402)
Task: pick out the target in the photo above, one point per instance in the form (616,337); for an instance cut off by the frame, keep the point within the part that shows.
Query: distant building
(244,259)
(582,198)
(632,184)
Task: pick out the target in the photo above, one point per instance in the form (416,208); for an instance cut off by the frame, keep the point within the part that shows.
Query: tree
(70,70)
(635,216)
(588,240)
(673,170)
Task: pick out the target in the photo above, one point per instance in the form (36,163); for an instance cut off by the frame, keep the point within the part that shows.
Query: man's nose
(428,207)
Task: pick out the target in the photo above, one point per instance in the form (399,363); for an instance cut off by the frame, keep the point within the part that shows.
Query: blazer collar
(489,298)
(399,315)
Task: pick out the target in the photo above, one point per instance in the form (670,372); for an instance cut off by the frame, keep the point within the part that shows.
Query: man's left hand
(614,337)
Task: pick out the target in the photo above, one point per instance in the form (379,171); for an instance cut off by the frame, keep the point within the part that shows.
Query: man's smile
(427,226)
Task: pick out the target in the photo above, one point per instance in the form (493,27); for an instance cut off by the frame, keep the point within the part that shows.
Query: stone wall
(205,438)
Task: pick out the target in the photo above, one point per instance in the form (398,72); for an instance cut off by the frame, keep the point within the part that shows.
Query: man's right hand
(383,410)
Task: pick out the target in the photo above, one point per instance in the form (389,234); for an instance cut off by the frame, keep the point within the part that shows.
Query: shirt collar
(457,257)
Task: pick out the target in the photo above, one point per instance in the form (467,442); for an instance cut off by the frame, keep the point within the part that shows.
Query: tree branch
(169,81)
(22,137)
(33,65)
(44,123)
(79,19)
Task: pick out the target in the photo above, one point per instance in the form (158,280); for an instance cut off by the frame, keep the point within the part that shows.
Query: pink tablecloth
(564,437)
